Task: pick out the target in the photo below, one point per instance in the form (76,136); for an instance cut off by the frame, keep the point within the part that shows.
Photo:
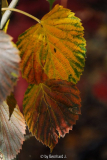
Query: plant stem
(22,12)
(7,14)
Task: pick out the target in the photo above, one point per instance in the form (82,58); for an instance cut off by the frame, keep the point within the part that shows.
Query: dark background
(88,140)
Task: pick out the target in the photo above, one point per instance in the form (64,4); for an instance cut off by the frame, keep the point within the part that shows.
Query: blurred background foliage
(88,140)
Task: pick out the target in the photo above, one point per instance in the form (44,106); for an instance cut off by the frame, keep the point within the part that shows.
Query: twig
(7,14)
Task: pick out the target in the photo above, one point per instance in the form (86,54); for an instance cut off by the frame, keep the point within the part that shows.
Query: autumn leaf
(51,109)
(9,65)
(11,132)
(11,102)
(56,44)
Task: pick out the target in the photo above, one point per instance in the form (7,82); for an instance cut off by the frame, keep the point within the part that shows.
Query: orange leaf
(51,109)
(56,45)
(9,65)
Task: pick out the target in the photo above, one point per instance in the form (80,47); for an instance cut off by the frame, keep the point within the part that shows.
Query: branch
(7,14)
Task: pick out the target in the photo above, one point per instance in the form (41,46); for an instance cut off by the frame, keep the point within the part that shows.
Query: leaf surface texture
(56,45)
(51,109)
(9,65)
(11,132)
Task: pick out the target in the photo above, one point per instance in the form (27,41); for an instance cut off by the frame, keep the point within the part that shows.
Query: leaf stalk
(22,12)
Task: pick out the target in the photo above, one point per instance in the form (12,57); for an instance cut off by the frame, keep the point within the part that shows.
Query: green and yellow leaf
(51,109)
(9,65)
(11,132)
(56,44)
